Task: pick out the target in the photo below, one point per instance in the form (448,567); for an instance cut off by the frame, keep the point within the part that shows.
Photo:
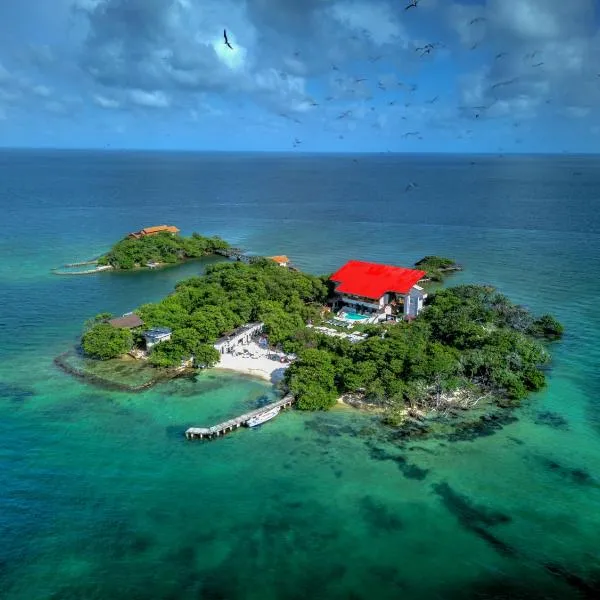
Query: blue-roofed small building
(156,335)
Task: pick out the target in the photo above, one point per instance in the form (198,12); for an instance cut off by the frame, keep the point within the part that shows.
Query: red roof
(373,280)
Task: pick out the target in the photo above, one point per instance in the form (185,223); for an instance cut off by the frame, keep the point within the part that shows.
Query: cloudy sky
(303,75)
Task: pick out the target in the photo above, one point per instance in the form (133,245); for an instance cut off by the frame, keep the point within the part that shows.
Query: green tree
(162,247)
(104,341)
(99,318)
(312,380)
(206,355)
(547,326)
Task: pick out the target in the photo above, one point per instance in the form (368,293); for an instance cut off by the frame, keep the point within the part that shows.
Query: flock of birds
(533,58)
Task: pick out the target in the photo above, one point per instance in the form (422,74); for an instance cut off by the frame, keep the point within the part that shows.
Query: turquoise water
(354,316)
(102,497)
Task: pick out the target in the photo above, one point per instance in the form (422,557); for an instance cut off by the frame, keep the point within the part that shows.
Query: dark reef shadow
(551,419)
(15,393)
(409,470)
(378,516)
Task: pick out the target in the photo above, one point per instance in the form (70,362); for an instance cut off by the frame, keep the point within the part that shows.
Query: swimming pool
(352,316)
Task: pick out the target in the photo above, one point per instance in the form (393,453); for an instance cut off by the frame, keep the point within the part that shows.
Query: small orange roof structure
(154,230)
(282,260)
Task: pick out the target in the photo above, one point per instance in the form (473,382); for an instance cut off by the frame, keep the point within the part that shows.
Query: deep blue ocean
(101,497)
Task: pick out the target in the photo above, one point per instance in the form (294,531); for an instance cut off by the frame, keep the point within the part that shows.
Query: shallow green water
(102,497)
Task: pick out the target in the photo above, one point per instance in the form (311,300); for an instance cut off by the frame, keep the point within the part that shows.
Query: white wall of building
(239,339)
(413,303)
(152,341)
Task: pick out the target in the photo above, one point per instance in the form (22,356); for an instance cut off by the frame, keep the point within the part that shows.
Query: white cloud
(539,20)
(546,55)
(578,112)
(42,91)
(104,102)
(234,58)
(156,99)
(378,21)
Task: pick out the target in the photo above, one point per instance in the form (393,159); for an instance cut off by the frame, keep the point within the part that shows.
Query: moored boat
(263,417)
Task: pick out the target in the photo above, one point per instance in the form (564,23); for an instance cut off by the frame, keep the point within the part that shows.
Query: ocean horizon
(101,496)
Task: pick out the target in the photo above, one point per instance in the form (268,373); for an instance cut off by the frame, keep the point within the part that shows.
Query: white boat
(263,417)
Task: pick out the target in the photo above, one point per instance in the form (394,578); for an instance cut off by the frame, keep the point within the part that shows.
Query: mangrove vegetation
(437,267)
(470,341)
(162,248)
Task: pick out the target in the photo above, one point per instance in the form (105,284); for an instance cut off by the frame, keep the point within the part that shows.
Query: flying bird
(411,186)
(413,4)
(501,55)
(538,64)
(426,49)
(409,133)
(226,39)
(374,58)
(359,80)
(503,83)
(345,114)
(477,20)
(433,100)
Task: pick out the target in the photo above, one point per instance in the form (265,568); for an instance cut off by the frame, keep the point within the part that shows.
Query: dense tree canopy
(104,341)
(468,336)
(162,247)
(230,294)
(183,345)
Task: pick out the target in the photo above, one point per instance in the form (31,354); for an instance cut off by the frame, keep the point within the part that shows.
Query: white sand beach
(257,366)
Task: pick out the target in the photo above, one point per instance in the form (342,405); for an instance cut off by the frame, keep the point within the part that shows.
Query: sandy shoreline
(262,367)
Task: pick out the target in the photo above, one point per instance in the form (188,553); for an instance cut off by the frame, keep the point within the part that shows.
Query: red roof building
(376,287)
(372,280)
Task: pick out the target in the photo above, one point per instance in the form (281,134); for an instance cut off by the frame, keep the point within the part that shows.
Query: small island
(437,267)
(159,245)
(149,248)
(369,334)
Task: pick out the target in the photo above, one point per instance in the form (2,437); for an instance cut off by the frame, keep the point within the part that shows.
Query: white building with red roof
(373,291)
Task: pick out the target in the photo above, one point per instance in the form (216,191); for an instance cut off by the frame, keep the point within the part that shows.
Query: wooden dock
(199,433)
